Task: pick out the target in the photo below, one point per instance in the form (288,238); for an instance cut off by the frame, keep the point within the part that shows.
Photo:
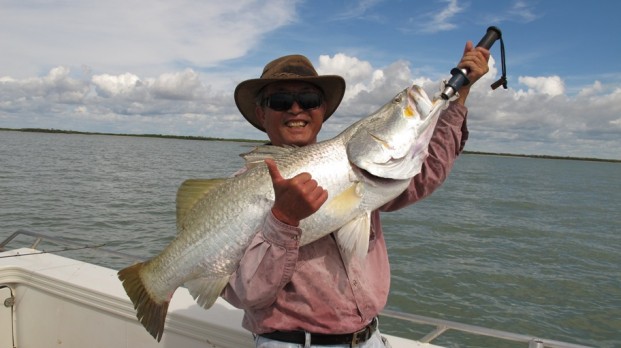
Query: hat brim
(333,87)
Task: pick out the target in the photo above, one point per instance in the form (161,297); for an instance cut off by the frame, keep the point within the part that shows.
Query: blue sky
(170,67)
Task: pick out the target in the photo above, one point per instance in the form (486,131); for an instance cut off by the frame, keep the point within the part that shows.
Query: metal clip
(9,301)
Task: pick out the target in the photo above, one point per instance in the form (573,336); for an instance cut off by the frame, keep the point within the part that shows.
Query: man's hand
(296,198)
(475,61)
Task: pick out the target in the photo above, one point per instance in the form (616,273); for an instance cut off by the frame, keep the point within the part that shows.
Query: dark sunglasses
(284,101)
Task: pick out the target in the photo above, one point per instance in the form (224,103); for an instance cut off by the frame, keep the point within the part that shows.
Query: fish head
(392,143)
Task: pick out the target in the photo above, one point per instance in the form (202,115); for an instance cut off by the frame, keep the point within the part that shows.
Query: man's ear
(260,113)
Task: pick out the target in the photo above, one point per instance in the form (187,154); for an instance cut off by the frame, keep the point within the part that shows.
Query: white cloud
(116,36)
(357,9)
(185,85)
(595,88)
(57,87)
(108,85)
(355,72)
(441,20)
(551,85)
(523,11)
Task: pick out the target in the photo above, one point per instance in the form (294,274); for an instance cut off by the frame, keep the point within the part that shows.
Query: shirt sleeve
(266,267)
(447,142)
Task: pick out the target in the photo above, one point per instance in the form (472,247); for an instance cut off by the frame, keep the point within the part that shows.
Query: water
(517,244)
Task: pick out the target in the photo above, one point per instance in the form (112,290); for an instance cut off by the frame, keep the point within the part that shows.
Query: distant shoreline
(190,137)
(181,137)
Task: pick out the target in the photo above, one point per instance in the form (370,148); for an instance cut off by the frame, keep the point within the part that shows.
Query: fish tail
(150,312)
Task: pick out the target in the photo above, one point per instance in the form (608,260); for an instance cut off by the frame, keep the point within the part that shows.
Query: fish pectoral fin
(205,291)
(353,237)
(190,192)
(347,200)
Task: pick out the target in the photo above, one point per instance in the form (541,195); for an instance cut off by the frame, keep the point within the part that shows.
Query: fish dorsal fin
(353,237)
(260,153)
(190,192)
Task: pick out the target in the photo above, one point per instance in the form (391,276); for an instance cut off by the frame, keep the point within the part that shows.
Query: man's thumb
(273,169)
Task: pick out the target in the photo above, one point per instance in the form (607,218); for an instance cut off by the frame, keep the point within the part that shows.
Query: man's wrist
(284,219)
(462,95)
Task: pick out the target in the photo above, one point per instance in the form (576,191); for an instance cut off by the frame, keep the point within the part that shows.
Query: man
(307,296)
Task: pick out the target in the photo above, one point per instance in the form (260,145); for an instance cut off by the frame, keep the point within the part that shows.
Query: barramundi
(365,166)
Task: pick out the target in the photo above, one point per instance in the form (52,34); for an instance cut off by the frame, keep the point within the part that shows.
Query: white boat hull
(59,301)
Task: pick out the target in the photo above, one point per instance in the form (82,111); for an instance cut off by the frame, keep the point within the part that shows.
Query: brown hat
(294,68)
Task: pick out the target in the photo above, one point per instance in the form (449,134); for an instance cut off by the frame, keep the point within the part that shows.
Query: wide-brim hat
(294,68)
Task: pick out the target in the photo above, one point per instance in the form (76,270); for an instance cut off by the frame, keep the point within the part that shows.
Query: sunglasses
(284,101)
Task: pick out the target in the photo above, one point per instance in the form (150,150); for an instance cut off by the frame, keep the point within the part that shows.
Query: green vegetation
(543,156)
(188,137)
(182,137)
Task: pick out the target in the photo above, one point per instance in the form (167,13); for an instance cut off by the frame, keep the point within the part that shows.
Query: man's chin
(299,139)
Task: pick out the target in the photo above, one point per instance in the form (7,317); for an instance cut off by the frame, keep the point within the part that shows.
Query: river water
(526,245)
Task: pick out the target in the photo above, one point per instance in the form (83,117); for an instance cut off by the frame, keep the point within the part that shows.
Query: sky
(170,67)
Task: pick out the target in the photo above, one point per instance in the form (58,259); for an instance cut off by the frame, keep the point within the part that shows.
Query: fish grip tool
(459,77)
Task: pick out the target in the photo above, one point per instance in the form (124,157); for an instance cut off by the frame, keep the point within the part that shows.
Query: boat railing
(440,326)
(64,243)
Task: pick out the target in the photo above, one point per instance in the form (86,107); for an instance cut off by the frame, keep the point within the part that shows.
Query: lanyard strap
(503,79)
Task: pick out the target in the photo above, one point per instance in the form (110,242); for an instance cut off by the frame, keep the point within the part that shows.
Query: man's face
(295,125)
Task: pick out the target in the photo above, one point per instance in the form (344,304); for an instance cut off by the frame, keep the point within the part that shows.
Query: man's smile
(296,123)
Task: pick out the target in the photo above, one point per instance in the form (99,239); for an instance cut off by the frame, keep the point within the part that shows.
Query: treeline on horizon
(182,137)
(191,137)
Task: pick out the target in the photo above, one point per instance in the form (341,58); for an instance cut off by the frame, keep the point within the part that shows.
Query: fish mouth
(369,177)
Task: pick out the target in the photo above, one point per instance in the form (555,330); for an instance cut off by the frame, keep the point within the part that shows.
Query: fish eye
(397,99)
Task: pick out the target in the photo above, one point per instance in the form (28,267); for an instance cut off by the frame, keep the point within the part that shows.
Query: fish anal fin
(190,192)
(353,237)
(205,291)
(150,312)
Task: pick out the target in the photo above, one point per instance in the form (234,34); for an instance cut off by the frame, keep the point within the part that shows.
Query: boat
(49,300)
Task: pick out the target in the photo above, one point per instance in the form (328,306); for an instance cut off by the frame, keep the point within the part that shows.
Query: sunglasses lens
(280,101)
(309,100)
(284,101)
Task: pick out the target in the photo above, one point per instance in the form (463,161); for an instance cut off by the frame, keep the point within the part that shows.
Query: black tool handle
(459,78)
(490,37)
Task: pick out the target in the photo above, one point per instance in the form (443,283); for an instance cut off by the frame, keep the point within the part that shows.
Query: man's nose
(295,108)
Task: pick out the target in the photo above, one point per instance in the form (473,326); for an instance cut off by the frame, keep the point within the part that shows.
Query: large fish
(367,165)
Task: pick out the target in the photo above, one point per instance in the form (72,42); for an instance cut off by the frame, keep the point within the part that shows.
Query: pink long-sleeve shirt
(282,286)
